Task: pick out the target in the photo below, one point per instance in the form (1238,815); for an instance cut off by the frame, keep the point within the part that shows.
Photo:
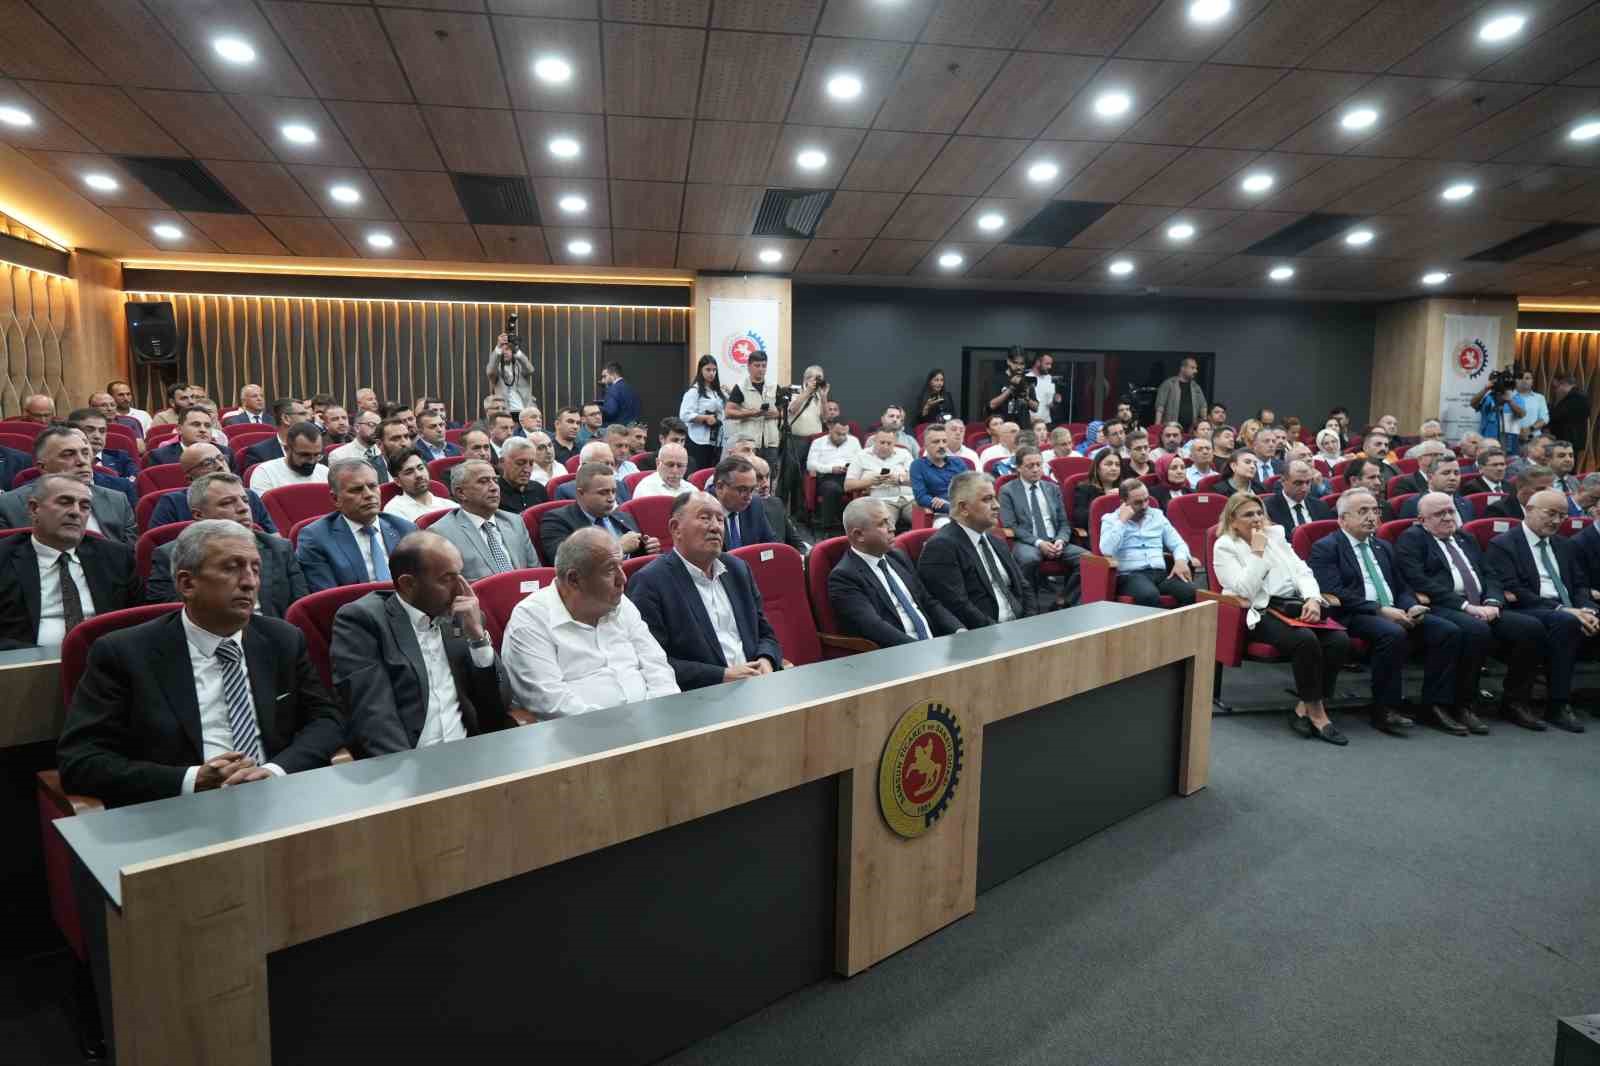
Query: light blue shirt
(1534,410)
(1140,546)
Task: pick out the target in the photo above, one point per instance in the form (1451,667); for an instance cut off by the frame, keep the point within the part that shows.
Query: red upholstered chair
(144,551)
(639,562)
(1064,466)
(911,542)
(499,595)
(288,504)
(439,469)
(453,436)
(825,555)
(1192,515)
(1572,525)
(20,442)
(1000,482)
(121,438)
(24,476)
(426,520)
(780,575)
(148,502)
(1207,483)
(251,430)
(1394,484)
(1390,531)
(1099,507)
(1332,500)
(19,531)
(1338,483)
(1098,573)
(314,615)
(294,530)
(1396,502)
(921,518)
(632,480)
(1234,645)
(1486,529)
(556,482)
(573,463)
(156,436)
(1407,466)
(988,467)
(700,477)
(640,457)
(22,428)
(1271,484)
(532,516)
(1307,535)
(329,448)
(1481,500)
(651,513)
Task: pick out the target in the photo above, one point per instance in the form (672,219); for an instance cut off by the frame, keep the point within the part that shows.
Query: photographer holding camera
(1500,408)
(509,370)
(1016,401)
(753,409)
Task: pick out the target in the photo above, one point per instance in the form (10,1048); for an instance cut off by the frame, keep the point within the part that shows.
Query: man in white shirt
(1535,410)
(252,408)
(578,644)
(1001,448)
(619,438)
(545,466)
(829,459)
(122,394)
(365,445)
(672,461)
(885,472)
(956,435)
(1044,384)
(302,462)
(894,420)
(1201,459)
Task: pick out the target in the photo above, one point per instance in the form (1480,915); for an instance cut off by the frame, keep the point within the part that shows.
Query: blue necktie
(733,530)
(601,522)
(905,601)
(380,562)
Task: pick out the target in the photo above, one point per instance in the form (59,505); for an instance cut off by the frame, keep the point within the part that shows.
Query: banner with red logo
(740,328)
(1471,351)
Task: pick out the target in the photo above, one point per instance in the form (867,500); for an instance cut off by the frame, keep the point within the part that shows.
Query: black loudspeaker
(152,333)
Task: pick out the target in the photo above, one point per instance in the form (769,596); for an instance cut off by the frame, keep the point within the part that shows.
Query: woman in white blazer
(1254,562)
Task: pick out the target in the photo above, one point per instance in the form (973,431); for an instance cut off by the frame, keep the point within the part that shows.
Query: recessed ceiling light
(1283,273)
(234,49)
(1359,119)
(1182,231)
(579,247)
(15,116)
(296,133)
(166,231)
(1437,277)
(1585,131)
(1121,268)
(380,240)
(1500,27)
(345,194)
(1260,182)
(1209,10)
(770,255)
(563,147)
(552,69)
(1357,238)
(103,182)
(1459,191)
(844,86)
(811,159)
(1045,171)
(991,221)
(573,204)
(1110,105)
(951,260)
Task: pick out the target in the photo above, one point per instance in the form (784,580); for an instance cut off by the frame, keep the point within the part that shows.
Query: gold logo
(920,767)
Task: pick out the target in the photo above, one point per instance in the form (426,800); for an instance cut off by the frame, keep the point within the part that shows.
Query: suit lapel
(27,566)
(879,596)
(177,677)
(262,664)
(405,638)
(470,533)
(344,542)
(679,569)
(735,588)
(94,572)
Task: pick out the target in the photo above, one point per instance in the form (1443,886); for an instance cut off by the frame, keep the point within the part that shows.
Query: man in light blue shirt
(1137,536)
(1535,411)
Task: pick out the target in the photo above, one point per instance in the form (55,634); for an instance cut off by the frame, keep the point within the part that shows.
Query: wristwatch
(484,643)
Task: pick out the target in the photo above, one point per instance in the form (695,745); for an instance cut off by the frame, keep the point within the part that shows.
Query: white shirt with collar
(559,666)
(652,485)
(275,473)
(1369,591)
(718,606)
(365,544)
(355,450)
(402,506)
(52,619)
(993,451)
(1456,580)
(867,463)
(1044,390)
(825,455)
(543,476)
(1030,492)
(443,722)
(1002,597)
(216,734)
(142,417)
(1547,586)
(890,581)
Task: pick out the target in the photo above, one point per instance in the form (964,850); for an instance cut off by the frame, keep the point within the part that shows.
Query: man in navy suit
(1532,479)
(966,566)
(93,424)
(197,461)
(734,485)
(430,437)
(702,605)
(252,408)
(596,505)
(12,463)
(286,414)
(352,545)
(596,451)
(1376,605)
(873,588)
(619,404)
(1444,569)
(1292,506)
(194,427)
(1544,578)
(1445,477)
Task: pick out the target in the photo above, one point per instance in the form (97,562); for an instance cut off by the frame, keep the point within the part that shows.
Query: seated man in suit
(1444,569)
(54,579)
(1428,454)
(873,589)
(1139,538)
(596,506)
(1292,506)
(64,450)
(206,697)
(596,451)
(1491,475)
(430,437)
(252,408)
(352,545)
(733,483)
(1544,578)
(92,422)
(1031,507)
(193,428)
(703,606)
(491,541)
(408,678)
(966,566)
(287,412)
(223,496)
(1534,478)
(777,513)
(197,461)
(1444,476)
(667,479)
(578,644)
(1367,474)
(1375,604)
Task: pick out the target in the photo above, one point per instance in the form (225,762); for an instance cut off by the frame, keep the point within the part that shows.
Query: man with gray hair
(66,451)
(578,644)
(209,696)
(223,496)
(351,546)
(667,479)
(518,490)
(491,541)
(1431,430)
(873,589)
(1426,454)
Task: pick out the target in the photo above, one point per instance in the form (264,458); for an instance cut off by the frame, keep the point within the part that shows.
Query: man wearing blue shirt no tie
(1138,537)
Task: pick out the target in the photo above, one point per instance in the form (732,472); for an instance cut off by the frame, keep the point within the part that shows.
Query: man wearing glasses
(197,461)
(734,485)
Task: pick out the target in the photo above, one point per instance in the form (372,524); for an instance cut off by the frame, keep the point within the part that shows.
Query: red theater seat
(1486,529)
(532,516)
(314,615)
(153,480)
(780,575)
(288,504)
(1390,531)
(499,595)
(652,513)
(1307,535)
(1193,515)
(144,551)
(912,541)
(700,477)
(825,555)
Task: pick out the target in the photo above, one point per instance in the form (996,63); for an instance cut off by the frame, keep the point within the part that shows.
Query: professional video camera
(1503,380)
(511,331)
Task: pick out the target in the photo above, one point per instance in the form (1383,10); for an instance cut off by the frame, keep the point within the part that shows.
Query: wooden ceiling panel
(476,140)
(273,71)
(1028,94)
(840,146)
(645,248)
(70,168)
(1169,34)
(1013,215)
(1068,157)
(875,63)
(446,241)
(1554,192)
(238,234)
(649,149)
(1393,98)
(646,204)
(1246,229)
(1286,170)
(875,19)
(315,237)
(1007,262)
(1064,264)
(728,209)
(653,70)
(892,162)
(1192,175)
(1147,83)
(1458,53)
(1175,267)
(971,253)
(446,57)
(701,251)
(925,218)
(48,132)
(317,181)
(1121,226)
(539,128)
(266,115)
(117,33)
(838,255)
(513,244)
(749,77)
(32,48)
(937,87)
(892,258)
(1289,31)
(203,123)
(357,232)
(966,166)
(1205,100)
(773,16)
(342,49)
(264,188)
(982,23)
(1119,170)
(670,12)
(1446,116)
(524,41)
(1392,30)
(140,221)
(1204,220)
(597,201)
(420,195)
(750,254)
(1548,109)
(106,116)
(1283,109)
(1589,75)
(857,214)
(389,136)
(735,153)
(1398,184)
(1562,50)
(1089,27)
(1330,181)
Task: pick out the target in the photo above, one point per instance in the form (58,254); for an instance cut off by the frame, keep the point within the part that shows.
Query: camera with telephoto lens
(1502,380)
(511,331)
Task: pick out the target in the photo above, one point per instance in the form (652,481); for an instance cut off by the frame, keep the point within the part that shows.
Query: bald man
(198,460)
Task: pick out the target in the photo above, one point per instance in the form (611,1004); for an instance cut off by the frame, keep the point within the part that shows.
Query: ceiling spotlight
(1121,268)
(579,247)
(844,86)
(1436,277)
(1359,119)
(991,221)
(1500,27)
(167,231)
(234,49)
(1045,171)
(1182,231)
(811,159)
(1357,238)
(380,240)
(1110,105)
(951,260)
(345,194)
(296,133)
(15,116)
(103,182)
(1459,191)
(1258,183)
(573,204)
(1281,273)
(1209,10)
(563,147)
(1586,131)
(770,255)
(552,69)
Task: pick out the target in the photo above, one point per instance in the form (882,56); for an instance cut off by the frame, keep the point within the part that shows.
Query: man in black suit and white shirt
(1532,479)
(224,496)
(206,697)
(1292,506)
(1491,475)
(966,566)
(596,505)
(64,450)
(287,412)
(252,408)
(194,427)
(873,588)
(1444,477)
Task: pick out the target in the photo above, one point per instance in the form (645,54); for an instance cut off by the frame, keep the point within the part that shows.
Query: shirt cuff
(188,779)
(483,657)
(277,771)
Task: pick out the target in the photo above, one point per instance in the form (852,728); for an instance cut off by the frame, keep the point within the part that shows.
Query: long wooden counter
(722,836)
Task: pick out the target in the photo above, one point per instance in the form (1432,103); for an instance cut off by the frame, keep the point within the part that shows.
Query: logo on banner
(920,767)
(741,346)
(1473,358)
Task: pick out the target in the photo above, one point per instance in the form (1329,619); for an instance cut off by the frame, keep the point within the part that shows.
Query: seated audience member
(702,604)
(667,479)
(133,417)
(894,420)
(409,680)
(1105,475)
(530,420)
(1585,500)
(1293,505)
(1222,447)
(491,541)
(1060,448)
(1005,442)
(955,436)
(639,437)
(596,505)
(409,472)
(336,425)
(1535,451)
(545,466)
(1445,570)
(579,644)
(744,446)
(1491,475)
(883,471)
(351,545)
(367,400)
(1390,426)
(1171,438)
(222,496)
(366,445)
(177,394)
(1030,506)
(1532,479)
(672,430)
(931,475)
(252,409)
(197,461)
(1200,460)
(777,512)
(92,423)
(431,442)
(64,450)
(1265,446)
(193,428)
(475,444)
(1330,447)
(1375,446)
(1444,476)
(1373,601)
(565,439)
(501,427)
(829,459)
(591,423)
(518,490)
(1139,464)
(1172,480)
(1427,454)
(1542,577)
(54,579)
(1201,430)
(596,451)
(1562,463)
(619,438)
(287,412)
(873,588)
(39,409)
(206,697)
(1363,473)
(302,462)
(1008,465)
(734,485)
(1138,537)
(1430,430)
(1241,470)
(966,566)
(1254,561)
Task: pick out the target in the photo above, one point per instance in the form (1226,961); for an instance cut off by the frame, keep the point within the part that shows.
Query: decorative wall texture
(36,336)
(1550,352)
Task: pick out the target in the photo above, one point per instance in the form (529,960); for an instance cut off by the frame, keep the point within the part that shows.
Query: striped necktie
(241,718)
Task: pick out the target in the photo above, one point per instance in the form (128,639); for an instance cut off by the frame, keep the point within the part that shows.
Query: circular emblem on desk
(920,766)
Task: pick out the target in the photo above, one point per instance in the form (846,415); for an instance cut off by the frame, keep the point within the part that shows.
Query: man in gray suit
(224,496)
(63,450)
(1030,506)
(491,541)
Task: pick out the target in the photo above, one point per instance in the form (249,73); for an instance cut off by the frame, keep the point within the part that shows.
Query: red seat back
(632,480)
(700,477)
(1407,466)
(453,436)
(633,565)
(22,428)
(1390,531)
(1332,500)
(1484,530)
(121,438)
(990,464)
(573,462)
(1191,515)
(911,542)
(439,469)
(780,575)
(294,530)
(426,520)
(144,551)
(651,513)
(75,649)
(825,555)
(157,435)
(1099,507)
(288,504)
(251,430)
(1307,535)
(17,531)
(555,483)
(1394,485)
(314,615)
(160,478)
(1397,502)
(641,457)
(499,595)
(1063,467)
(1001,481)
(532,516)
(1207,483)
(18,441)
(1572,525)
(1338,483)
(1481,500)
(146,507)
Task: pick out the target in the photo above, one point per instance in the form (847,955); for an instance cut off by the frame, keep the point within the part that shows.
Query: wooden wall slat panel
(38,342)
(1550,352)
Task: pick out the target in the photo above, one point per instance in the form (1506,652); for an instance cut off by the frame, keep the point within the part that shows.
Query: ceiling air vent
(1298,236)
(496,200)
(1535,240)
(182,184)
(1059,222)
(791,212)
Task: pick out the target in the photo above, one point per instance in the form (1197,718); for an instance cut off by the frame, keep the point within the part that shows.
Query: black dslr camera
(511,331)
(1503,380)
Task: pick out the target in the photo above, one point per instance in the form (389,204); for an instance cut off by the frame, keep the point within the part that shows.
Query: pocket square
(283,697)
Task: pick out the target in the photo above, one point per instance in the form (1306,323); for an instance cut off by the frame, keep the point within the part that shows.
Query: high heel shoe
(1328,733)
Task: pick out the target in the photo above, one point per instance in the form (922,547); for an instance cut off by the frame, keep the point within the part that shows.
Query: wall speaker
(152,333)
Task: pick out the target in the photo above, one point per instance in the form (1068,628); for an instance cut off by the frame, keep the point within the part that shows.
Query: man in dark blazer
(1588,544)
(1388,617)
(1444,569)
(1292,506)
(64,450)
(734,485)
(223,496)
(1445,477)
(33,609)
(194,428)
(1559,599)
(1533,479)
(776,511)
(93,424)
(1491,475)
(252,408)
(979,589)
(672,594)
(1026,501)
(873,589)
(12,463)
(197,461)
(328,551)
(594,508)
(286,414)
(430,440)
(161,709)
(388,647)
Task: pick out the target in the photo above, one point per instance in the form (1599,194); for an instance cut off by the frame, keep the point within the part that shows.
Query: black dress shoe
(1329,733)
(1441,718)
(1519,713)
(1300,724)
(1560,715)
(1474,724)
(1387,720)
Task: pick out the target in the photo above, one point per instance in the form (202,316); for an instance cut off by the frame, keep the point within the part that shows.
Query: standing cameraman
(1015,402)
(510,373)
(1498,410)
(804,413)
(752,409)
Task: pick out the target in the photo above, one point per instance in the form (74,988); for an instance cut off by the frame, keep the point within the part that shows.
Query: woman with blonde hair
(1254,562)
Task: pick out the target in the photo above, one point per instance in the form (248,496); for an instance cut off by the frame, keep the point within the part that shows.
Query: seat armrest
(1097,578)
(521,717)
(839,640)
(341,756)
(65,803)
(1221,597)
(1231,633)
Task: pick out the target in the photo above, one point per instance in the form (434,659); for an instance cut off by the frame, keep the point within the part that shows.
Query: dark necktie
(600,520)
(733,530)
(1469,580)
(1299,515)
(997,576)
(71,602)
(241,718)
(1555,572)
(905,600)
(1038,515)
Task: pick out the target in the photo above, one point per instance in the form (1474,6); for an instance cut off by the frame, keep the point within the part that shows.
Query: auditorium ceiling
(1297,147)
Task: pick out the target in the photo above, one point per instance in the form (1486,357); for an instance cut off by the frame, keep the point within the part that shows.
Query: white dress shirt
(1044,390)
(52,620)
(142,417)
(1368,591)
(1547,586)
(718,607)
(559,666)
(652,485)
(885,579)
(993,451)
(216,734)
(365,544)
(275,473)
(968,454)
(825,455)
(443,722)
(1031,492)
(1002,596)
(543,476)
(402,506)
(355,450)
(1455,572)
(867,463)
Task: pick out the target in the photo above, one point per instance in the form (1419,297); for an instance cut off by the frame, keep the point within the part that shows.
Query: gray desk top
(29,656)
(107,841)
